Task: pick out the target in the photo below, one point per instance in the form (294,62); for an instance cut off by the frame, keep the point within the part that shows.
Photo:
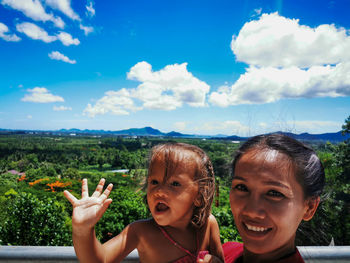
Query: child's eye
(153,182)
(241,187)
(175,183)
(274,193)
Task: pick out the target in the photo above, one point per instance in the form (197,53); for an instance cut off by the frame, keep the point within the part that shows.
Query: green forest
(35,169)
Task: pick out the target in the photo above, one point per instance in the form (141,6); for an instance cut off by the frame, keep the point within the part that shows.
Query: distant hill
(149,131)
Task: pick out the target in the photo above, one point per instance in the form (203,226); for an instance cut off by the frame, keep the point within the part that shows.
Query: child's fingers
(84,189)
(99,188)
(106,193)
(71,198)
(105,205)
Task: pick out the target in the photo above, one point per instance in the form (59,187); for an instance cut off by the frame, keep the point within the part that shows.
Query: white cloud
(90,10)
(116,102)
(58,56)
(35,32)
(169,87)
(276,41)
(34,10)
(265,85)
(29,116)
(6,36)
(61,108)
(67,39)
(287,60)
(87,29)
(65,7)
(41,95)
(166,89)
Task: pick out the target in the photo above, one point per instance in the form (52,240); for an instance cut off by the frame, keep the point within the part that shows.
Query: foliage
(127,207)
(40,213)
(34,222)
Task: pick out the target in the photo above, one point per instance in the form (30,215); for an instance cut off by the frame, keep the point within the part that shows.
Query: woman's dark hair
(309,169)
(173,155)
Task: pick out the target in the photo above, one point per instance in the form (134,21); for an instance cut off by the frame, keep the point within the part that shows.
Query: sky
(195,67)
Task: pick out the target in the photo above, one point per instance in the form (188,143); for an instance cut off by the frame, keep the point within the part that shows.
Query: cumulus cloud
(87,29)
(180,126)
(58,56)
(265,85)
(34,10)
(90,10)
(67,39)
(61,108)
(276,41)
(116,102)
(41,95)
(35,32)
(4,34)
(287,60)
(65,7)
(315,127)
(166,89)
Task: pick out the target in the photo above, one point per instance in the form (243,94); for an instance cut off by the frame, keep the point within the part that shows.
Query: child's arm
(215,246)
(86,213)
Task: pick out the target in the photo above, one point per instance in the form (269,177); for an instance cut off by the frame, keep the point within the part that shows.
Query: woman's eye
(153,182)
(175,183)
(241,187)
(274,193)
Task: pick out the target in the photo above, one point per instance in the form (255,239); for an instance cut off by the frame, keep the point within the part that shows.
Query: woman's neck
(268,257)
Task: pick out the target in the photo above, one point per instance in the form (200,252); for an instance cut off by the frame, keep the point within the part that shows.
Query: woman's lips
(256,231)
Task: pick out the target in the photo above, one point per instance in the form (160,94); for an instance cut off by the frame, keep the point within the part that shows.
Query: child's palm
(88,210)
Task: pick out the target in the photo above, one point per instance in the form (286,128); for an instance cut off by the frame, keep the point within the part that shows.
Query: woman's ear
(311,205)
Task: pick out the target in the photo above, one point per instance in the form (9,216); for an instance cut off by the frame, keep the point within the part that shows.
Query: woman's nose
(254,208)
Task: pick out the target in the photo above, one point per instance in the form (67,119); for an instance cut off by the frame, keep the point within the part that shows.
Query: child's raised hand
(89,209)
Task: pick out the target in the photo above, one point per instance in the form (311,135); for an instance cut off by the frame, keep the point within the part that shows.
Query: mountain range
(149,131)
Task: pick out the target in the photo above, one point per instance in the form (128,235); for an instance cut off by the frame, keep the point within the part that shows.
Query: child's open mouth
(161,207)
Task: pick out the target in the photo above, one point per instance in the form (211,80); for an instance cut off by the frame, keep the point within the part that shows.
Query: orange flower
(57,184)
(38,181)
(23,177)
(124,175)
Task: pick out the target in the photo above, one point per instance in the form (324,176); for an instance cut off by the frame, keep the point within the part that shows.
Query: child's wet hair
(175,153)
(309,170)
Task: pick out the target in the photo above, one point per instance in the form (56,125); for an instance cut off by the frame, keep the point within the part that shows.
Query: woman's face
(267,202)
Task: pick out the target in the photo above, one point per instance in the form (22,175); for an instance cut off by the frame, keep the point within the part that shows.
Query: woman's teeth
(256,228)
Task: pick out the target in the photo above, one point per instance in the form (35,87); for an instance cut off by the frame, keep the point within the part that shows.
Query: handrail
(42,254)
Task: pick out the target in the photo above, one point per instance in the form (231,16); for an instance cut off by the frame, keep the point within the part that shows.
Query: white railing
(25,254)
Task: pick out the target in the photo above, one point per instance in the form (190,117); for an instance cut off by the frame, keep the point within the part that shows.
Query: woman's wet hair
(308,168)
(174,154)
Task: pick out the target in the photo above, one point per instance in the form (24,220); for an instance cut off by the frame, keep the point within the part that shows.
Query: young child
(277,183)
(180,188)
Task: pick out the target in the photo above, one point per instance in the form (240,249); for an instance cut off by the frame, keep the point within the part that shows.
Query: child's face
(267,202)
(171,200)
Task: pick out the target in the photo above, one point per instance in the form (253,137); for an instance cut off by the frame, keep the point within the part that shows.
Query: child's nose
(161,190)
(254,208)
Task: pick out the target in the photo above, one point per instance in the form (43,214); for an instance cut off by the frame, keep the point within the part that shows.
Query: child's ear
(198,201)
(311,205)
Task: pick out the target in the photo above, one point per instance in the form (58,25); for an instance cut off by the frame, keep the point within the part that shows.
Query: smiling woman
(277,182)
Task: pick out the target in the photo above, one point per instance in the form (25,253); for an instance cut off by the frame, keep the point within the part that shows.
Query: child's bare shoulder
(143,226)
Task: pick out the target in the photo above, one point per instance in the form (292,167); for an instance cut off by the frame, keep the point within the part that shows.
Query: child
(180,189)
(277,183)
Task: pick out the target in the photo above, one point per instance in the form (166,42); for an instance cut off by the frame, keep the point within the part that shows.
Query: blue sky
(203,67)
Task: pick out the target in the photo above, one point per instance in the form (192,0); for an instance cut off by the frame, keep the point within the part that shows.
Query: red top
(234,251)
